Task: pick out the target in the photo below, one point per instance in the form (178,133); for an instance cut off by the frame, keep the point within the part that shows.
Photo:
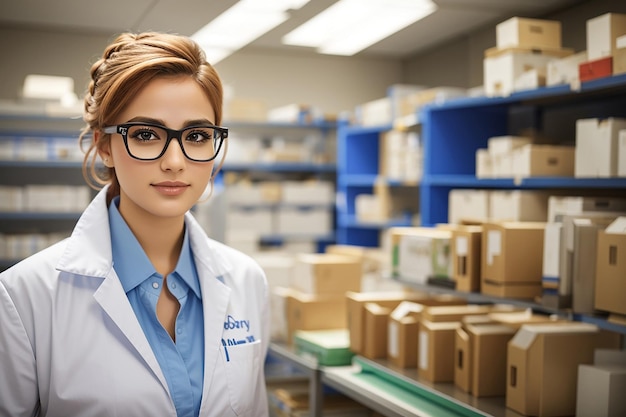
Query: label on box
(423,350)
(461,246)
(494,244)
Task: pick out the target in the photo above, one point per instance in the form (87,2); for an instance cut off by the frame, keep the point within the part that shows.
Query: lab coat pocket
(242,367)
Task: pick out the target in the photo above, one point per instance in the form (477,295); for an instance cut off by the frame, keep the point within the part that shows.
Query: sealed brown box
(326,273)
(511,290)
(465,249)
(542,367)
(455,312)
(356,309)
(543,161)
(436,350)
(462,363)
(518,318)
(488,358)
(375,340)
(403,328)
(530,33)
(610,286)
(314,312)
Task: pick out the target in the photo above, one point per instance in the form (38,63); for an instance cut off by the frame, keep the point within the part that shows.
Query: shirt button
(173,285)
(155,285)
(179,330)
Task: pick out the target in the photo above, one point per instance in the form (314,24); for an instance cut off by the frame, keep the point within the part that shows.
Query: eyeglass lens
(148,142)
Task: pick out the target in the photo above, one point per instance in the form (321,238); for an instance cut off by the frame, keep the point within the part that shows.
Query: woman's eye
(199,136)
(145,136)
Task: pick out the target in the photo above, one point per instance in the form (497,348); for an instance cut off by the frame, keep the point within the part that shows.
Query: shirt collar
(131,263)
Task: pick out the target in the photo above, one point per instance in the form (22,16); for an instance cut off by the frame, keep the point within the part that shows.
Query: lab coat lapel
(112,298)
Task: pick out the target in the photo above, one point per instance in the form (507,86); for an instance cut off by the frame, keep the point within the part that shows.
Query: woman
(139,313)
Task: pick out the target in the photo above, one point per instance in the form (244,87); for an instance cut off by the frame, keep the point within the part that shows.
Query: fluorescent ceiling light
(241,24)
(349,26)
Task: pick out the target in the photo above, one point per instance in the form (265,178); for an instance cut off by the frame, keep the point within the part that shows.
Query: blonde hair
(126,66)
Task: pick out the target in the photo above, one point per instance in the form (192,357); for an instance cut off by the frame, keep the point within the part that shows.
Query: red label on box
(598,68)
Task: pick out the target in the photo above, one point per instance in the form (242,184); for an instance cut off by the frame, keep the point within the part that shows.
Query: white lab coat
(70,344)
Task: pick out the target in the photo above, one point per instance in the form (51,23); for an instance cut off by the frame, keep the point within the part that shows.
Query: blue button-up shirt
(182,362)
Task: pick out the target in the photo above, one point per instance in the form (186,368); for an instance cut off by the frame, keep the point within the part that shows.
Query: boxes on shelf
(596,146)
(410,104)
(246,193)
(542,367)
(512,253)
(468,206)
(488,350)
(619,58)
(400,157)
(374,113)
(528,33)
(420,253)
(565,70)
(594,69)
(436,350)
(403,328)
(601,385)
(518,205)
(543,161)
(559,206)
(501,67)
(326,274)
(257,221)
(484,165)
(308,192)
(308,221)
(314,312)
(610,286)
(238,109)
(291,113)
(602,33)
(530,79)
(387,202)
(376,332)
(465,252)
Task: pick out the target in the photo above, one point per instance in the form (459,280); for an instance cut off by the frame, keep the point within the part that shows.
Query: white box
(621,154)
(278,267)
(552,250)
(528,33)
(602,33)
(500,71)
(255,220)
(472,205)
(312,221)
(518,205)
(503,145)
(596,147)
(423,255)
(565,70)
(530,80)
(374,113)
(483,164)
(559,206)
(600,391)
(308,192)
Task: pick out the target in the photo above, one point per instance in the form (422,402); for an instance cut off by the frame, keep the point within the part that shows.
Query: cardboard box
(438,314)
(518,206)
(326,274)
(376,332)
(543,161)
(551,253)
(619,61)
(483,164)
(600,391)
(592,70)
(314,312)
(512,252)
(559,206)
(403,328)
(436,350)
(565,70)
(517,319)
(502,67)
(542,367)
(530,80)
(465,251)
(529,33)
(462,360)
(621,152)
(610,288)
(308,221)
(596,146)
(468,206)
(421,253)
(602,33)
(578,250)
(488,358)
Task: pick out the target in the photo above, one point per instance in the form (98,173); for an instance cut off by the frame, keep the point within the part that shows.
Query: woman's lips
(171,188)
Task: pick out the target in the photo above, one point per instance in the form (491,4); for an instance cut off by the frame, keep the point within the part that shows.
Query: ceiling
(453,19)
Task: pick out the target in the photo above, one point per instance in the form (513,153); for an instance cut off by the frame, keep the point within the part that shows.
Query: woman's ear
(104,150)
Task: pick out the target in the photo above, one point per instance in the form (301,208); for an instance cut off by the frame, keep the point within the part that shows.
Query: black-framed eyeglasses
(148,142)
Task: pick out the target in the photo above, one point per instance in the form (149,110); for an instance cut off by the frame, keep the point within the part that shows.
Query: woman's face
(171,185)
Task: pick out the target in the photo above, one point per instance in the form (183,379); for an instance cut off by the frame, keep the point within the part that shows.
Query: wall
(334,84)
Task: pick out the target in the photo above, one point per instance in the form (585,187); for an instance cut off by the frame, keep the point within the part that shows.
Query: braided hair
(128,64)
